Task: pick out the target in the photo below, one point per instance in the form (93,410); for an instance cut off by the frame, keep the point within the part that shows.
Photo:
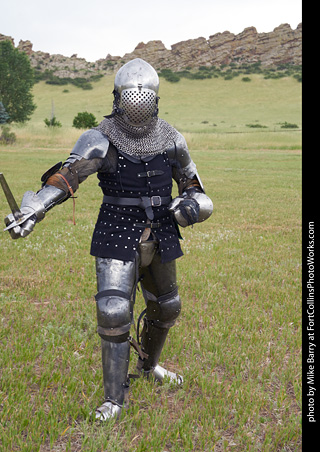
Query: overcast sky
(94,28)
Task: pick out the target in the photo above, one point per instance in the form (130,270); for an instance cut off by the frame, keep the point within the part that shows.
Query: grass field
(238,339)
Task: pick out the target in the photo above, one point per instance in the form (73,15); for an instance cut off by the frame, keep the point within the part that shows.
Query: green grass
(238,339)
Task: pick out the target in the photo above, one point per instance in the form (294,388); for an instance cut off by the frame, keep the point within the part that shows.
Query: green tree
(16,82)
(3,114)
(84,120)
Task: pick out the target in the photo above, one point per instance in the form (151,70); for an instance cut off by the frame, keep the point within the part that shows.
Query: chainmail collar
(148,140)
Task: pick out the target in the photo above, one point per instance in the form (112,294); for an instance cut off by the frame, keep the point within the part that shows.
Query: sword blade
(10,198)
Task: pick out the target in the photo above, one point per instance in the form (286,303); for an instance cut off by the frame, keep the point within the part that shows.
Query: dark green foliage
(79,82)
(3,114)
(169,75)
(6,136)
(84,120)
(16,82)
(256,126)
(200,75)
(288,125)
(234,69)
(298,77)
(53,122)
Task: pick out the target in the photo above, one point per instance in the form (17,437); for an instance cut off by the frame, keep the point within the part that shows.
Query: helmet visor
(138,105)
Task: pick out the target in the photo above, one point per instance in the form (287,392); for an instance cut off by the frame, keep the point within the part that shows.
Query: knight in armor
(136,156)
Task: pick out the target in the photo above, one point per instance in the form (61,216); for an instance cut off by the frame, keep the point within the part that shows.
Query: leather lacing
(72,196)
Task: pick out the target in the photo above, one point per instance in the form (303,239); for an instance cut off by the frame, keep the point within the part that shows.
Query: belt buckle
(155,201)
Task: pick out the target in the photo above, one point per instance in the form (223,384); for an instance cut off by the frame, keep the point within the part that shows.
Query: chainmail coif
(151,139)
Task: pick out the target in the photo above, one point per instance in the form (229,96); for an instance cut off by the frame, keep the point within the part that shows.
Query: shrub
(298,77)
(80,82)
(170,76)
(6,136)
(246,79)
(84,120)
(256,126)
(288,125)
(201,75)
(53,122)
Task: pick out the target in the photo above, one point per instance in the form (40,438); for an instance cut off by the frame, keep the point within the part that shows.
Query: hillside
(281,46)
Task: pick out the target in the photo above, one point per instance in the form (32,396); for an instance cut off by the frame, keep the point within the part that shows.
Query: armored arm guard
(87,157)
(61,181)
(192,205)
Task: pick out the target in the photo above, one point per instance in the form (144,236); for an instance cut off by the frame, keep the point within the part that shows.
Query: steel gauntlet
(33,208)
(191,207)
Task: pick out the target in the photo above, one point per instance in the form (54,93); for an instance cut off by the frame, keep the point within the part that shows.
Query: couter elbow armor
(205,205)
(191,208)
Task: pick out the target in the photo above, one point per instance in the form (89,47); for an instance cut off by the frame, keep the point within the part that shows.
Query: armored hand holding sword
(136,155)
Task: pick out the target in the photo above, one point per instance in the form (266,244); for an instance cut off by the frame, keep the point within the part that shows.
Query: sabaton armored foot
(107,411)
(161,374)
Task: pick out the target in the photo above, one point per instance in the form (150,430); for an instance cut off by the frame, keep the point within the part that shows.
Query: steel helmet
(136,87)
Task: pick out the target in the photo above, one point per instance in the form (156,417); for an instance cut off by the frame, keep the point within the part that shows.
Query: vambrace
(34,206)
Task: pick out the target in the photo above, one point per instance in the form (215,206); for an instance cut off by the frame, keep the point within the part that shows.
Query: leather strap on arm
(59,181)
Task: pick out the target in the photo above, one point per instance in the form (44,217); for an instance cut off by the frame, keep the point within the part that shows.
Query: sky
(92,29)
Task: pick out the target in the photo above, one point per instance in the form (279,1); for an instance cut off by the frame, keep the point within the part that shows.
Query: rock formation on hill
(282,45)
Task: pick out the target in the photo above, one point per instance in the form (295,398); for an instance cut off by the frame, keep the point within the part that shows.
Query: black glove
(185,210)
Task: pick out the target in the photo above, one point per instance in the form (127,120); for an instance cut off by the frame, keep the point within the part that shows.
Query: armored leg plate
(152,341)
(115,280)
(115,364)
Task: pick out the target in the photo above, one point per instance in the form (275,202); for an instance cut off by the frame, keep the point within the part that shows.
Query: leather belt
(151,173)
(147,225)
(144,202)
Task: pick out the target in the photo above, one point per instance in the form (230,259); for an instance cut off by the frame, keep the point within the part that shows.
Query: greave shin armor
(115,363)
(161,315)
(152,341)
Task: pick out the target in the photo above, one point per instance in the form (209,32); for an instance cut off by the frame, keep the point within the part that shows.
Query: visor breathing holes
(138,104)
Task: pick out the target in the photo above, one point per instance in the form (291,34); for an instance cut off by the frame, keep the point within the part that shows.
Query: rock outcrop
(282,45)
